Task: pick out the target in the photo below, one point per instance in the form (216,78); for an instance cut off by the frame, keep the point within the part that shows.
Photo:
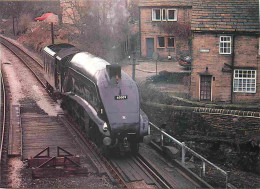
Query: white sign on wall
(204,50)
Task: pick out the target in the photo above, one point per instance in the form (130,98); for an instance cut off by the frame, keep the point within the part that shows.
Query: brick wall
(151,29)
(246,55)
(206,56)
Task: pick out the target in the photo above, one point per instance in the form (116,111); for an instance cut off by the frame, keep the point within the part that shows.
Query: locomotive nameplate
(122,97)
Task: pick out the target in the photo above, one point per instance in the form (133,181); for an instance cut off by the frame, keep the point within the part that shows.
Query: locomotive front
(120,97)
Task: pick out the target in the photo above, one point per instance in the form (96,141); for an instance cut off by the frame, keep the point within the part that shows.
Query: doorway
(205,87)
(149,47)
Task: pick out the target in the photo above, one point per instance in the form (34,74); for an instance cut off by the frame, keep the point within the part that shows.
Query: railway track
(114,168)
(34,65)
(5,123)
(124,170)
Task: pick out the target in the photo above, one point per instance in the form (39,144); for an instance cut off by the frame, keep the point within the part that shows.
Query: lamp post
(52,34)
(155,58)
(133,65)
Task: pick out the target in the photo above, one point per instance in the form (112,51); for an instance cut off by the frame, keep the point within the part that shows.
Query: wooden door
(149,47)
(205,87)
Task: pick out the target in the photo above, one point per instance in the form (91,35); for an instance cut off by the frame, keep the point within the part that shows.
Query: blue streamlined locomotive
(103,99)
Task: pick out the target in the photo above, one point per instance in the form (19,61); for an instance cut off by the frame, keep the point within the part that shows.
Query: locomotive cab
(55,59)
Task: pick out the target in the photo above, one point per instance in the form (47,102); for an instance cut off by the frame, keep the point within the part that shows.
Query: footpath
(147,69)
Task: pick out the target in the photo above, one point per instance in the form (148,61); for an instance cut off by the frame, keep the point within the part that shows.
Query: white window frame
(164,18)
(244,81)
(154,14)
(175,15)
(259,46)
(221,48)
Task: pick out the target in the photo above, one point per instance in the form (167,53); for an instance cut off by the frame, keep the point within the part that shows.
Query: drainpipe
(232,67)
(140,38)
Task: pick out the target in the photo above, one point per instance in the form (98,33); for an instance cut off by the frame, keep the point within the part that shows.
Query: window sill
(242,92)
(164,20)
(225,54)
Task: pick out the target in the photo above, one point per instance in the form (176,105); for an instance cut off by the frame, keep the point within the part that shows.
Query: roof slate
(225,15)
(160,3)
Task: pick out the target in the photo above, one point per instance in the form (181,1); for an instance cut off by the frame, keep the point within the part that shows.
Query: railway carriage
(103,99)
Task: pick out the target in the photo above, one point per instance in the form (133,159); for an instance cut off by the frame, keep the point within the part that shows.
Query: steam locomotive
(102,99)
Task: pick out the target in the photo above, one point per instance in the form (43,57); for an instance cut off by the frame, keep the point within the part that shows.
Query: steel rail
(3,101)
(119,179)
(152,171)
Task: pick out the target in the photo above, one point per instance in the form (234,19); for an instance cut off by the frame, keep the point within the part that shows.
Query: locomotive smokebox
(113,70)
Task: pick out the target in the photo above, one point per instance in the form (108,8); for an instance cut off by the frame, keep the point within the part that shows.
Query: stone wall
(181,120)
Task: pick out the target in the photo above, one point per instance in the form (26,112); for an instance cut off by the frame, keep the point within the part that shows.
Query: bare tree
(102,25)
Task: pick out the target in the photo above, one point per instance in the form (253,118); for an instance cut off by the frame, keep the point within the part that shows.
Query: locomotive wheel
(47,86)
(134,146)
(94,134)
(90,132)
(65,104)
(105,150)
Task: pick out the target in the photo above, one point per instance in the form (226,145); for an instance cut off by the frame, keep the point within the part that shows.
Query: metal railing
(185,148)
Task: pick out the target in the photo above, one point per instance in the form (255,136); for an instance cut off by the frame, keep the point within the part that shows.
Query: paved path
(148,69)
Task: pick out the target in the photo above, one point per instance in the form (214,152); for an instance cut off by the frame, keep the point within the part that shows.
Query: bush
(24,23)
(174,78)
(36,36)
(151,94)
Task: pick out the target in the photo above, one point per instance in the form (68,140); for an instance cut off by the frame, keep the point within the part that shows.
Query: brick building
(162,25)
(226,54)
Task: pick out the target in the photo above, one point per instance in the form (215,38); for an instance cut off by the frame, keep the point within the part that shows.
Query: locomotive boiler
(102,99)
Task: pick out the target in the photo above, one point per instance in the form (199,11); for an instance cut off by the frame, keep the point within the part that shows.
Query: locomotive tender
(103,99)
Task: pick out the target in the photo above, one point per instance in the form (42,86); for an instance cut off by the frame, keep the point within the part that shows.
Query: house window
(156,14)
(225,45)
(172,14)
(244,81)
(161,43)
(170,41)
(164,14)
